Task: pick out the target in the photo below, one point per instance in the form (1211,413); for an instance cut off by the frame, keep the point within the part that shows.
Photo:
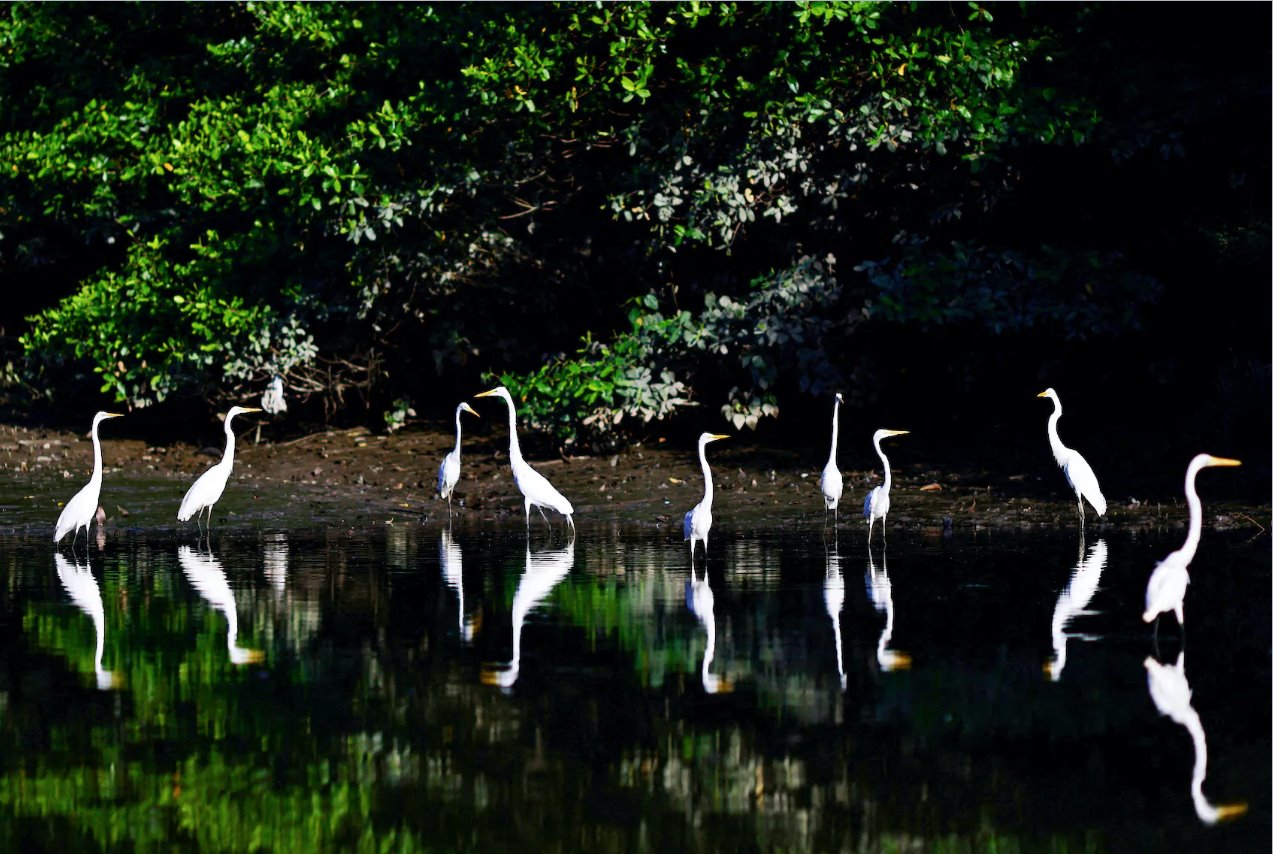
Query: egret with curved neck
(832,483)
(207,490)
(1167,584)
(1078,474)
(877,500)
(81,509)
(449,471)
(698,521)
(534,487)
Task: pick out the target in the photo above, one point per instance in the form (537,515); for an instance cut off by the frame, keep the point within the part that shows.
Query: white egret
(1169,689)
(544,571)
(833,596)
(1166,589)
(698,521)
(1073,602)
(877,501)
(536,489)
(702,603)
(832,483)
(81,509)
(207,490)
(82,587)
(449,471)
(1078,474)
(880,589)
(204,572)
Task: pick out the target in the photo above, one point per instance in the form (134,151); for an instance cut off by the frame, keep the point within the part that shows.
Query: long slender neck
(96,477)
(1059,451)
(1195,511)
(835,430)
(514,449)
(888,472)
(457,430)
(707,474)
(227,459)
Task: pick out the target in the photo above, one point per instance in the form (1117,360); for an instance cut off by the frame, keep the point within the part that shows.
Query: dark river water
(410,687)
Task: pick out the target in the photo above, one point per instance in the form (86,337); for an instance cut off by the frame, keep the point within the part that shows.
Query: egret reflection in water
(451,557)
(276,556)
(1169,689)
(833,596)
(880,590)
(1073,602)
(544,571)
(87,596)
(205,574)
(702,604)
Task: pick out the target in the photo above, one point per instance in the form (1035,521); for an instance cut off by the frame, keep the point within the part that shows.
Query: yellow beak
(1224,461)
(486,393)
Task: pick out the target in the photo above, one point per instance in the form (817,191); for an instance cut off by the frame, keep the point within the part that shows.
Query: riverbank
(355,478)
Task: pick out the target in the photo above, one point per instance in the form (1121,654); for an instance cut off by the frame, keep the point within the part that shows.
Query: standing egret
(831,483)
(698,521)
(1166,589)
(81,509)
(1078,474)
(449,471)
(533,485)
(1169,689)
(876,506)
(207,490)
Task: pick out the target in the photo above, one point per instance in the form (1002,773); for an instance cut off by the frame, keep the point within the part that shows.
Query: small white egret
(536,489)
(207,490)
(82,509)
(449,471)
(1169,689)
(877,501)
(1078,474)
(698,521)
(832,483)
(1166,589)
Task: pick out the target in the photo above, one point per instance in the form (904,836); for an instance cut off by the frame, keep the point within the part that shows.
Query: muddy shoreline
(353,477)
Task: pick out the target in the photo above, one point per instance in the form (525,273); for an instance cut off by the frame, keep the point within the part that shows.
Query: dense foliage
(622,208)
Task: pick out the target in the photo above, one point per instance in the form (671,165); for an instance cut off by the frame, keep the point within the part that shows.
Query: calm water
(410,687)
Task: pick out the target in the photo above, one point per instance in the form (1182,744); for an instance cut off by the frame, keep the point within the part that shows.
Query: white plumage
(698,521)
(1166,588)
(534,487)
(1078,474)
(832,483)
(81,509)
(877,500)
(449,471)
(206,491)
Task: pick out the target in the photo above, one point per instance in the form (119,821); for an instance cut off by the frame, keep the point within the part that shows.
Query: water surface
(424,687)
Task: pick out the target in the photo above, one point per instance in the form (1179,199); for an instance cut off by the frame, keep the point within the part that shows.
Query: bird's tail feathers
(1098,503)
